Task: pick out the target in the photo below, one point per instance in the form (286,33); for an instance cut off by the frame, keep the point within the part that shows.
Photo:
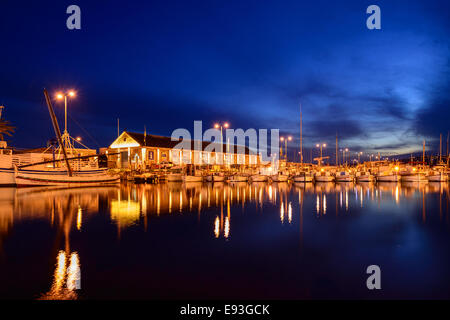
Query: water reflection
(220,207)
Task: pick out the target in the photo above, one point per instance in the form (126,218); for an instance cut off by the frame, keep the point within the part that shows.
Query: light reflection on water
(239,214)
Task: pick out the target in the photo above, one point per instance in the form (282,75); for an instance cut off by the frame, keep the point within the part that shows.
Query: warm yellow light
(78,138)
(226,125)
(346,149)
(322,170)
(59,96)
(216,126)
(289,138)
(324,144)
(396,168)
(317,145)
(72,93)
(282,138)
(414,169)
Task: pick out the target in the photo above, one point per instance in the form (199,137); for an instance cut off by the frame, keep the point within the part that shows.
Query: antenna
(301,135)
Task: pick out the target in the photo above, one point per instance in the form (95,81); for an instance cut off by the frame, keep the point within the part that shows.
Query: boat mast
(423,155)
(337,159)
(440,148)
(301,136)
(57,131)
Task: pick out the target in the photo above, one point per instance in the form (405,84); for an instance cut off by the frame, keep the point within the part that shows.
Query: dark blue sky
(164,64)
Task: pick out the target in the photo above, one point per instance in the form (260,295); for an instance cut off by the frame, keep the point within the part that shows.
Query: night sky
(164,64)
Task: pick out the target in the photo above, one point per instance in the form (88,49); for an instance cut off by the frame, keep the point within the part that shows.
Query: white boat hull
(59,178)
(324,178)
(218,178)
(438,178)
(365,178)
(303,179)
(414,178)
(237,178)
(7,177)
(344,179)
(174,177)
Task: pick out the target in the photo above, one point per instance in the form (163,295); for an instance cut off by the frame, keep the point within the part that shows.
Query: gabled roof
(150,140)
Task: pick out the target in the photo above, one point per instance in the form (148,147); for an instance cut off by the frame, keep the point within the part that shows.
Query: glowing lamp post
(288,138)
(61,96)
(221,126)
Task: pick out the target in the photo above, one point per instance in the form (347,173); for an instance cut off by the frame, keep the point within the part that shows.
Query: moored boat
(363,176)
(195,178)
(413,177)
(279,178)
(435,176)
(323,176)
(61,178)
(388,176)
(343,176)
(237,178)
(258,178)
(303,177)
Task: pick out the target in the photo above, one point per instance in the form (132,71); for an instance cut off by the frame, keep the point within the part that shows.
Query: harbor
(271,241)
(224,159)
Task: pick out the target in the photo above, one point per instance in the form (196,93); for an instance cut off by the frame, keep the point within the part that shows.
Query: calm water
(278,241)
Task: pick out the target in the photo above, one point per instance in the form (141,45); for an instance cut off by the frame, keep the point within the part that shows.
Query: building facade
(140,151)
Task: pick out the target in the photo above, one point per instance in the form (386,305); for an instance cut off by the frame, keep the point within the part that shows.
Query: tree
(6,129)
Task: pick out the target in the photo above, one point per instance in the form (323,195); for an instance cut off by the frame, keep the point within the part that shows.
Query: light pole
(288,138)
(60,96)
(221,126)
(320,145)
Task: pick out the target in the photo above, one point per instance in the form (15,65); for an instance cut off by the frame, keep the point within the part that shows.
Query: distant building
(137,150)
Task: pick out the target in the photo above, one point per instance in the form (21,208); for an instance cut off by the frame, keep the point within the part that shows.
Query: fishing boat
(67,172)
(413,175)
(323,176)
(303,177)
(364,176)
(343,176)
(60,178)
(437,176)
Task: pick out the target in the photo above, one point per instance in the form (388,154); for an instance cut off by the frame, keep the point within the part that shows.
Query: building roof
(150,140)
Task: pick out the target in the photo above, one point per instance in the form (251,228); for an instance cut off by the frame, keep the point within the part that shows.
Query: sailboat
(70,172)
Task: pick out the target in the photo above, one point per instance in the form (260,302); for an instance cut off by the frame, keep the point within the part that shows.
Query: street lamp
(288,138)
(61,96)
(221,126)
(64,96)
